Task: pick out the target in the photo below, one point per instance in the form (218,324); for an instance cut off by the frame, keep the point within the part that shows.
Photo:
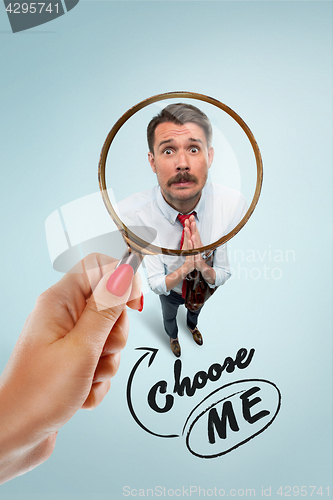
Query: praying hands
(192,239)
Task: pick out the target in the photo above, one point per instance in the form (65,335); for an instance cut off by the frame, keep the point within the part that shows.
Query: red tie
(182,218)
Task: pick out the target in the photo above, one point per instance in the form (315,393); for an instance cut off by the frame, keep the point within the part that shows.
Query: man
(186,211)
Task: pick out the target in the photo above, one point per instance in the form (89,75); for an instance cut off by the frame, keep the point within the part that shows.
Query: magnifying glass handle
(132,258)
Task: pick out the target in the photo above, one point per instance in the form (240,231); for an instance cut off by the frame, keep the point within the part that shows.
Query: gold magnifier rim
(132,240)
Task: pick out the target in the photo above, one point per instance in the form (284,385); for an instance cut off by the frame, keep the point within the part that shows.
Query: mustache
(182,177)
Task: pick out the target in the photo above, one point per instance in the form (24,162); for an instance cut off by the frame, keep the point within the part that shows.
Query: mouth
(183,180)
(182,184)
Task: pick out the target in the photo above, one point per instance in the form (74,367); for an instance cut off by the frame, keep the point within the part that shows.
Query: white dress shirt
(218,211)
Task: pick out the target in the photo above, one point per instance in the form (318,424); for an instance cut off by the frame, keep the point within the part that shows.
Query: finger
(59,308)
(86,275)
(117,338)
(195,241)
(106,367)
(97,320)
(187,237)
(66,300)
(96,395)
(194,228)
(195,232)
(135,300)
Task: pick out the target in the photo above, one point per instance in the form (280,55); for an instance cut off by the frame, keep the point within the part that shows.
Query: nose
(182,163)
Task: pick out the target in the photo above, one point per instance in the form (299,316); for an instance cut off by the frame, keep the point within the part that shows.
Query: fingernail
(120,280)
(141,303)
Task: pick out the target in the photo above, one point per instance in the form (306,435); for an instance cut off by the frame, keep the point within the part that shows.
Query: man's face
(181,160)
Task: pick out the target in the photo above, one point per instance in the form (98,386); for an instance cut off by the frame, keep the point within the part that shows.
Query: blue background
(63,85)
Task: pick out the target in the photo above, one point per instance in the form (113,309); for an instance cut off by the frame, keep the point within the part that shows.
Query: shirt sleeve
(221,266)
(156,272)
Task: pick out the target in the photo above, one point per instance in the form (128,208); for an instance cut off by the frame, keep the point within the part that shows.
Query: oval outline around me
(215,455)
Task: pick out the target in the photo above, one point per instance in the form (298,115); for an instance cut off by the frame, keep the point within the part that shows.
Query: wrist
(187,267)
(200,264)
(202,260)
(23,444)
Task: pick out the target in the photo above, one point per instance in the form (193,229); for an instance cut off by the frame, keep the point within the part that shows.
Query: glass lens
(147,201)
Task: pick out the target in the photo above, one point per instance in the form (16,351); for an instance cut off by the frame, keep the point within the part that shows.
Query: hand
(195,239)
(207,272)
(65,356)
(195,235)
(188,245)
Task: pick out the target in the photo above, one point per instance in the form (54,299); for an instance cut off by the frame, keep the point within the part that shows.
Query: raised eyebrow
(170,141)
(192,139)
(167,141)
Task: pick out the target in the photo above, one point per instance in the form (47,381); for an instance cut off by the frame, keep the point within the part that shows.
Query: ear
(210,156)
(151,160)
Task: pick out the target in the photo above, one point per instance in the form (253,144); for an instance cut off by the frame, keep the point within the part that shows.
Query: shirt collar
(171,214)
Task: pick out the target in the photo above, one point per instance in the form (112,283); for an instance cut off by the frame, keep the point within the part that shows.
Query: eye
(167,151)
(194,149)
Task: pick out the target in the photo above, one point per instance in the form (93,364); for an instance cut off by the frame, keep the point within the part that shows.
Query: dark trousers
(170,304)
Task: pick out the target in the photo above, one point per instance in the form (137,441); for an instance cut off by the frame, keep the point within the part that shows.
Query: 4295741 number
(31,8)
(303,491)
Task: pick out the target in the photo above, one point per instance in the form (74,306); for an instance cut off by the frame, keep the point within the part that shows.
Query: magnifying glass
(140,242)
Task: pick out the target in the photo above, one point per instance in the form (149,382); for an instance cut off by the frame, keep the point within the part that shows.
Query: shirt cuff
(221,276)
(159,286)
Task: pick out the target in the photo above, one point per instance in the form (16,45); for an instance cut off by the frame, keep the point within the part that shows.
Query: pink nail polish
(120,280)
(141,303)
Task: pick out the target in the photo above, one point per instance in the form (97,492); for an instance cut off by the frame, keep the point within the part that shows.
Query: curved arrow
(129,388)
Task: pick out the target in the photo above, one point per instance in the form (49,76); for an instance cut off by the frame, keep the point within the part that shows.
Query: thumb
(98,318)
